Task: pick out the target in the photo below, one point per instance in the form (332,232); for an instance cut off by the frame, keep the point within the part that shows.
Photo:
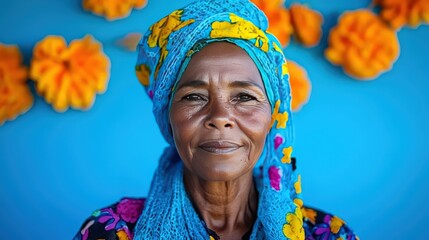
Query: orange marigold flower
(278,18)
(363,44)
(69,76)
(397,13)
(112,9)
(307,24)
(300,85)
(15,96)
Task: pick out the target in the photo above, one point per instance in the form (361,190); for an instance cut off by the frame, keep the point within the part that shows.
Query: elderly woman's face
(220,114)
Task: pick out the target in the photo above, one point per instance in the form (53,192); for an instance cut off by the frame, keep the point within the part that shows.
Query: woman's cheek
(186,122)
(256,115)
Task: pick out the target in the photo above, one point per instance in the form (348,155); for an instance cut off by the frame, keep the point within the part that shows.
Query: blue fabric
(163,55)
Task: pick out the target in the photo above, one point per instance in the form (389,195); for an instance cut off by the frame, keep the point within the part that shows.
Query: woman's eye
(192,97)
(245,97)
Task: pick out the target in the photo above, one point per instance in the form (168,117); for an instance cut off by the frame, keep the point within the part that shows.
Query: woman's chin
(223,172)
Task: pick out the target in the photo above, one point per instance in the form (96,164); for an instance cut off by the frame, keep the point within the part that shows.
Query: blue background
(361,146)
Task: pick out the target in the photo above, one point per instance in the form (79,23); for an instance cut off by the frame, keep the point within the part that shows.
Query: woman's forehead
(221,60)
(220,50)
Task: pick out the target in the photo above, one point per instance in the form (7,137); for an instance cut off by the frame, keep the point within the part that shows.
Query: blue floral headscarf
(163,55)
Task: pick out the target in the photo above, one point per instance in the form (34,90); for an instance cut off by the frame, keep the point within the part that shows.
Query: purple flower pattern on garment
(278,140)
(112,222)
(108,216)
(129,209)
(323,226)
(275,175)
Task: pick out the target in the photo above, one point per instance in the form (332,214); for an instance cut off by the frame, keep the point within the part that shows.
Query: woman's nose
(219,115)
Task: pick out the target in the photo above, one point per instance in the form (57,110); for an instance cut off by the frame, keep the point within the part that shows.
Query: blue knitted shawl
(163,55)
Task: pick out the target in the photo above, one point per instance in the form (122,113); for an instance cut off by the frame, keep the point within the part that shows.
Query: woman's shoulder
(115,222)
(319,224)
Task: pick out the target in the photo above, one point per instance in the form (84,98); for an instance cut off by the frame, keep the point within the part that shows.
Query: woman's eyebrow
(192,83)
(245,84)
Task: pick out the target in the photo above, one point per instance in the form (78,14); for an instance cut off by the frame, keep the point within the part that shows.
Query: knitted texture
(163,55)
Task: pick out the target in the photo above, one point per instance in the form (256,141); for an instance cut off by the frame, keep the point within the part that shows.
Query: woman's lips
(219,147)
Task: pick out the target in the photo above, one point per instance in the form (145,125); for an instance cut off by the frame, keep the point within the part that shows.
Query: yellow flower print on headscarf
(287,153)
(293,228)
(299,203)
(162,30)
(242,29)
(297,185)
(281,118)
(285,68)
(143,72)
(164,27)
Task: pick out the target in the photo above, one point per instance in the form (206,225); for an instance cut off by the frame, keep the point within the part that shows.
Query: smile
(219,147)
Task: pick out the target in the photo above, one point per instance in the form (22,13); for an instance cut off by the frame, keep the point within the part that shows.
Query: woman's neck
(228,208)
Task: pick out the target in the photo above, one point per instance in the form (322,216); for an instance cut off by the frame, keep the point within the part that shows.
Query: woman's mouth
(219,147)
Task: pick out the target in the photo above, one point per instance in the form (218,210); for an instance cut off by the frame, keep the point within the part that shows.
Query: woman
(219,84)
